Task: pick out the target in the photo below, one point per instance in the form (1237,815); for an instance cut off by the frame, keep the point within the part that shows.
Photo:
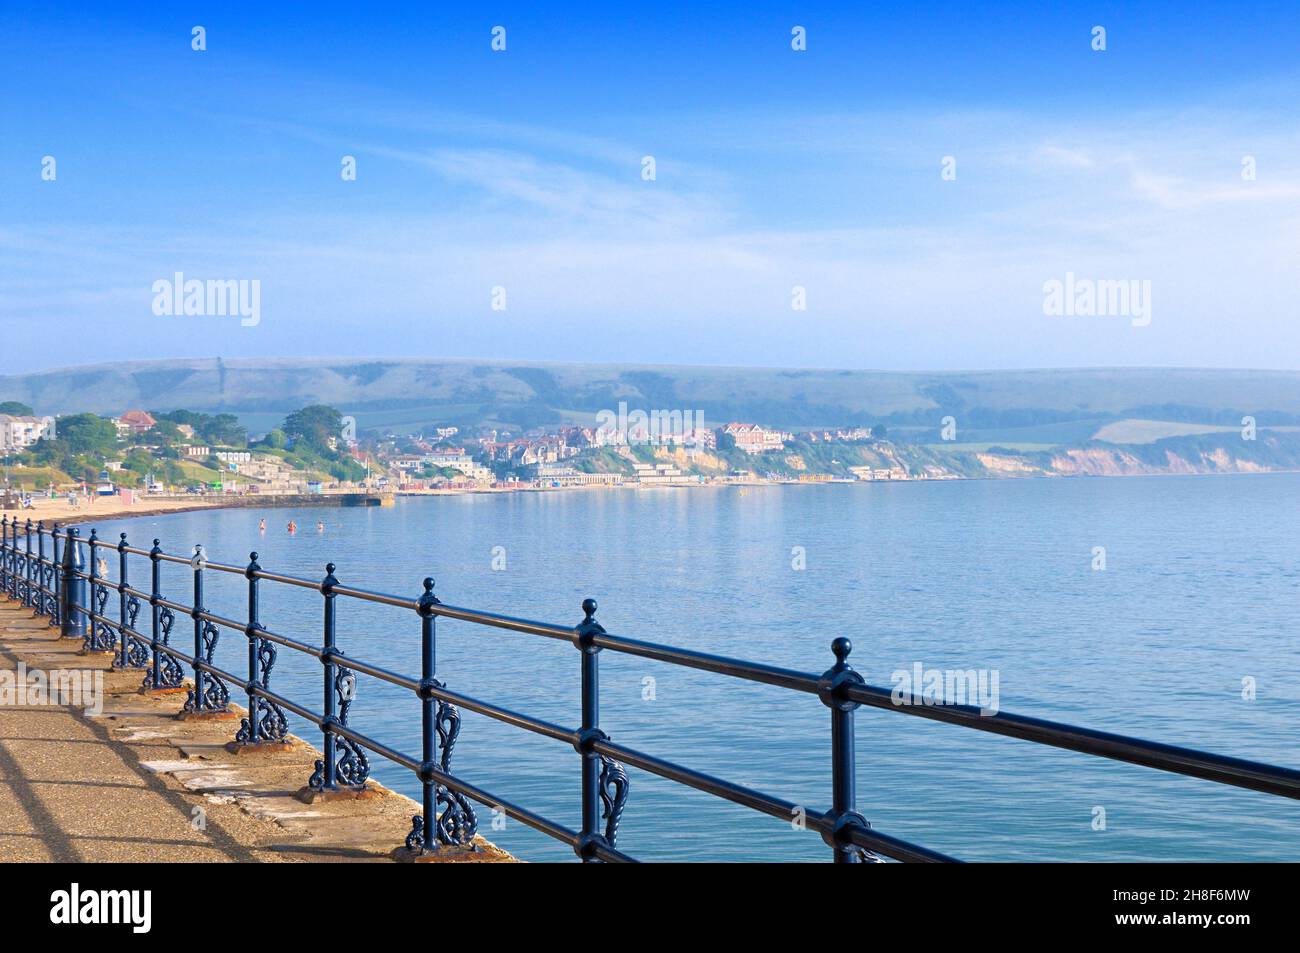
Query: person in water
(293,527)
(261,525)
(320,526)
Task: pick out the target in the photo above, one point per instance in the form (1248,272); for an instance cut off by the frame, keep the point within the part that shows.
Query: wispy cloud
(901,268)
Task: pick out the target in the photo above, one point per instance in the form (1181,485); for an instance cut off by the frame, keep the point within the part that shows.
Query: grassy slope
(413,393)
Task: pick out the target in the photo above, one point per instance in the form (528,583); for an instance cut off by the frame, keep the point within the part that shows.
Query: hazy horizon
(479,359)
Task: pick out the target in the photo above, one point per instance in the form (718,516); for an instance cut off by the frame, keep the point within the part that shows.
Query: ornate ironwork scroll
(48,575)
(137,650)
(613,785)
(100,637)
(216,695)
(170,673)
(271,722)
(457,822)
(351,766)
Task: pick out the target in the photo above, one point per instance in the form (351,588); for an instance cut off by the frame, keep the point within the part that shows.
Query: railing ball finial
(842,647)
(427,599)
(588,628)
(834,683)
(329,568)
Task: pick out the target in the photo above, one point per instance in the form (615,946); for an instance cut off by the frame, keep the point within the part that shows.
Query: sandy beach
(60,511)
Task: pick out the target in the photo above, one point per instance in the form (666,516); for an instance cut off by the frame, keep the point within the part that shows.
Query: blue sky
(775,169)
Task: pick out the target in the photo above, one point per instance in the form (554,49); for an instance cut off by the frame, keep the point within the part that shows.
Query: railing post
(197,564)
(423,837)
(843,814)
(27,565)
(56,573)
(4,554)
(122,626)
(92,600)
(210,696)
(266,726)
(19,570)
(250,574)
(132,653)
(11,557)
(99,637)
(41,605)
(15,563)
(590,727)
(155,610)
(165,673)
(71,611)
(15,571)
(604,782)
(344,760)
(330,636)
(439,726)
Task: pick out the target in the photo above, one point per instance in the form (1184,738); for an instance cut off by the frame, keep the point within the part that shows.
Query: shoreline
(59,512)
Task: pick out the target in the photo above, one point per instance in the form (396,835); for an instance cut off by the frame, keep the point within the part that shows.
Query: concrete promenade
(133,783)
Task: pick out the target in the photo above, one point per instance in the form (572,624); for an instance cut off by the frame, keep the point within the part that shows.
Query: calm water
(1201,589)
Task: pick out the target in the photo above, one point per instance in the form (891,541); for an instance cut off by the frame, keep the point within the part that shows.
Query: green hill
(1034,406)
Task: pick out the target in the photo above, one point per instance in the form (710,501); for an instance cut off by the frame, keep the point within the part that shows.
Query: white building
(19,433)
(455,458)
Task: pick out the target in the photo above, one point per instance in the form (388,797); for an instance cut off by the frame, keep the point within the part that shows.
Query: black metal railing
(66,587)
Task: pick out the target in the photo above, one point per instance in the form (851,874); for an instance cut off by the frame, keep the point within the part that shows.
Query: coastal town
(141,454)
